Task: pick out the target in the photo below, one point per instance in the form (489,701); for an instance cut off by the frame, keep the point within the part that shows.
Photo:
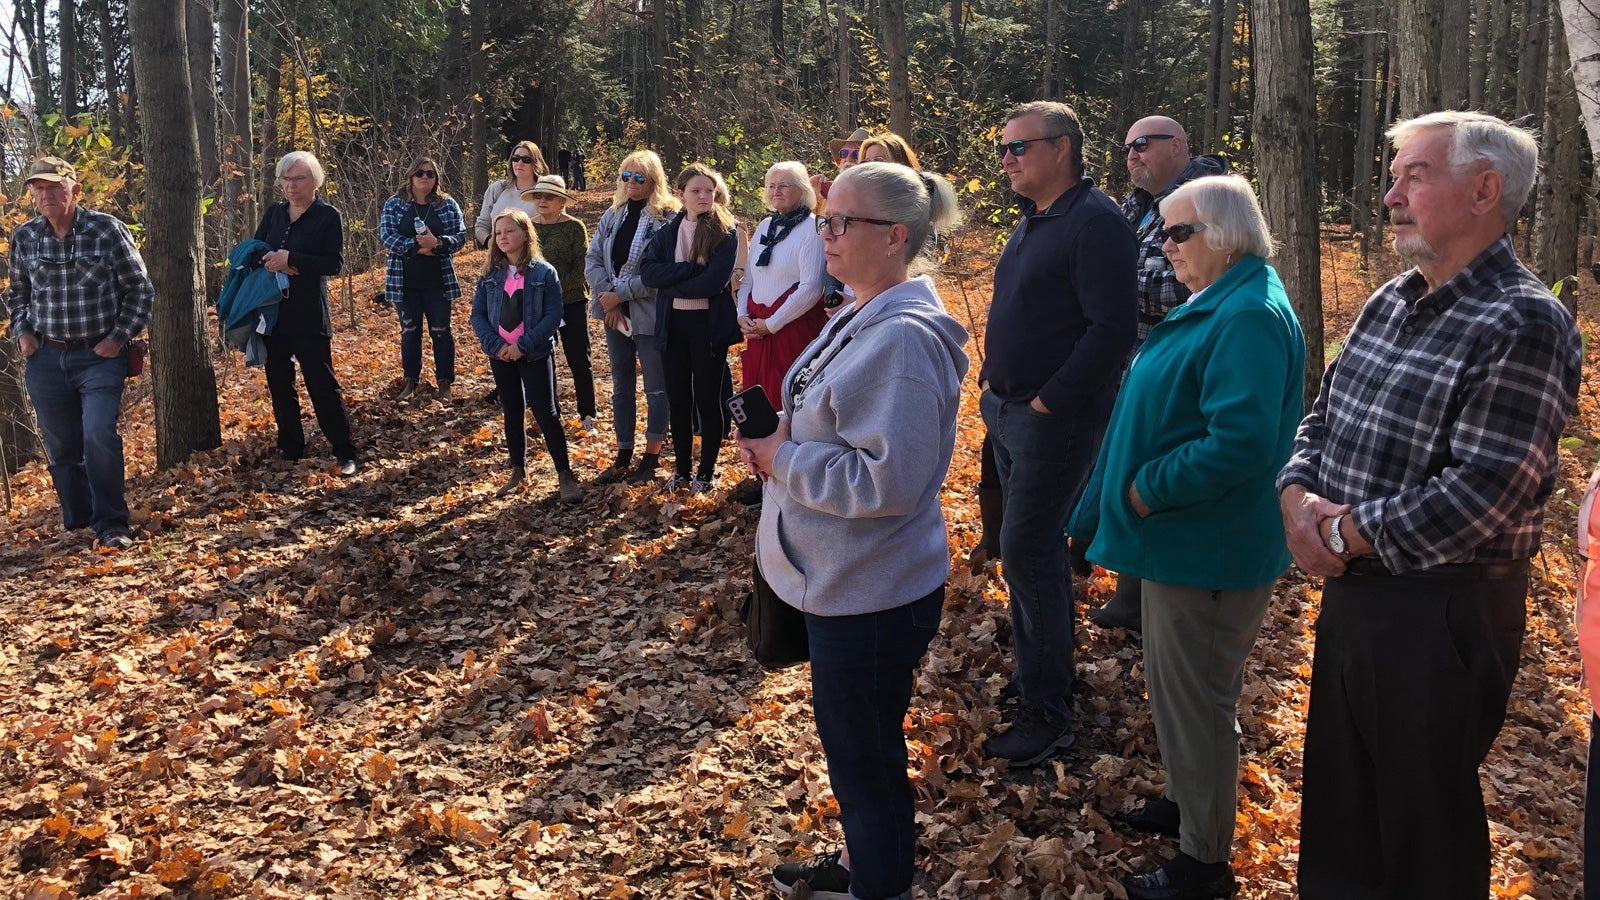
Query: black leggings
(695,369)
(534,379)
(575,344)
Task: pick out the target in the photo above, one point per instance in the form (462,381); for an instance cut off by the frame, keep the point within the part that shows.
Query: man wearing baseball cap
(79,294)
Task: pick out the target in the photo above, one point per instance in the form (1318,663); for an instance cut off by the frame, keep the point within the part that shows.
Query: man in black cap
(79,295)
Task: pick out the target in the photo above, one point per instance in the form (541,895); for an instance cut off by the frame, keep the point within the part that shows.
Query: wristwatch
(1335,539)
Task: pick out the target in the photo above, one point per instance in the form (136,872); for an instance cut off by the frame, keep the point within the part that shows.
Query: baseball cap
(51,168)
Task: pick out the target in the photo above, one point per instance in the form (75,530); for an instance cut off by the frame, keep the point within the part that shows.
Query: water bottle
(422,227)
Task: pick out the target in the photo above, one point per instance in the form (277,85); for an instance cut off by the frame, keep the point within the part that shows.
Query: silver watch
(1335,539)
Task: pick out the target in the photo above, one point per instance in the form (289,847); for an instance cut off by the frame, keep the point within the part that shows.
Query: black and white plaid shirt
(90,285)
(1439,419)
(1159,287)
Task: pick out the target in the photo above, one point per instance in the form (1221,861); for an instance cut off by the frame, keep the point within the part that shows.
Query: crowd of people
(1141,392)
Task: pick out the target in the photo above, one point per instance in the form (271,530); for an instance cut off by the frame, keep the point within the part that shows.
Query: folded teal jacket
(1203,423)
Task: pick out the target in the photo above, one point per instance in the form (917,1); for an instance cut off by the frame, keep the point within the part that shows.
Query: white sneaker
(699,486)
(588,424)
(675,484)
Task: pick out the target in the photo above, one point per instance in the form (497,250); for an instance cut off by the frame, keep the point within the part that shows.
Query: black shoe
(823,875)
(646,472)
(493,397)
(1031,739)
(115,540)
(1185,878)
(748,495)
(1158,816)
(1124,609)
(348,467)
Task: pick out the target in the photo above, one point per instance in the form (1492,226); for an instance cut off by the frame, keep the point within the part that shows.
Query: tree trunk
(1581,24)
(237,157)
(1391,92)
(1559,205)
(272,103)
(1050,68)
(185,386)
(1478,73)
(67,36)
(841,86)
(19,438)
(1531,59)
(480,116)
(898,51)
(1285,149)
(1219,73)
(31,15)
(201,26)
(1502,49)
(1455,28)
(1417,37)
(108,62)
(775,28)
(1361,201)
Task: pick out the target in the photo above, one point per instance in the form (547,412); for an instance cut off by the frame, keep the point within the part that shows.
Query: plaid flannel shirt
(401,240)
(1159,287)
(90,285)
(1438,421)
(598,269)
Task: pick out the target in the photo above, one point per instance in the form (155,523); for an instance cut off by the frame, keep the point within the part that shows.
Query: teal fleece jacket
(1205,420)
(851,521)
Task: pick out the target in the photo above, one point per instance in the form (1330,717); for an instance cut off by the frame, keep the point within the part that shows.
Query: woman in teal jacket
(1182,496)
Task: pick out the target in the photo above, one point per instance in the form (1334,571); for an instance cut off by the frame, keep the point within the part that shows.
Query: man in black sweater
(1064,314)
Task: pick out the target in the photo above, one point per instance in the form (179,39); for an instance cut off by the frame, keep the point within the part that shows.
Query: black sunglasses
(425,173)
(1180,233)
(838,225)
(1018,148)
(522,159)
(638,177)
(1141,144)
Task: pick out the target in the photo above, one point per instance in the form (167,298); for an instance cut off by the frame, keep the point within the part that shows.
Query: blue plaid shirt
(90,285)
(401,240)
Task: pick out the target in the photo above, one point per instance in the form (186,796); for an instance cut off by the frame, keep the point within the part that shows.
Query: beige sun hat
(548,184)
(856,137)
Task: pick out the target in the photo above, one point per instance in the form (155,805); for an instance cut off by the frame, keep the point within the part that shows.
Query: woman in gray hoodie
(851,530)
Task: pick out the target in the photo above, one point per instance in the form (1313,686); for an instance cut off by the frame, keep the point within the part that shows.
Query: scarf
(779,229)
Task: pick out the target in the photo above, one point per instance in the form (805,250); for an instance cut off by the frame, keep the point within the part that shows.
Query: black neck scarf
(779,229)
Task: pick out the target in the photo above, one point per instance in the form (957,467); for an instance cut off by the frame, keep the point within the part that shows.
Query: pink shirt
(514,280)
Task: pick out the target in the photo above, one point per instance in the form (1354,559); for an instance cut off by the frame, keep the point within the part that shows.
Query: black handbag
(775,630)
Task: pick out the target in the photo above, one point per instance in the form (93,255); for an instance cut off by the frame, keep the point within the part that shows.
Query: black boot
(1124,609)
(618,469)
(991,513)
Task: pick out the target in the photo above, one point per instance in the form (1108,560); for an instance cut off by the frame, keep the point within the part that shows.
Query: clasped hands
(753,329)
(1307,522)
(278,261)
(759,453)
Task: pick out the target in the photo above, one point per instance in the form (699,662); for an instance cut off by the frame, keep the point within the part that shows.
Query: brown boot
(518,473)
(571,490)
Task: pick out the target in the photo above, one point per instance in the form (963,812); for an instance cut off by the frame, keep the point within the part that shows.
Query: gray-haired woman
(851,531)
(1184,497)
(308,240)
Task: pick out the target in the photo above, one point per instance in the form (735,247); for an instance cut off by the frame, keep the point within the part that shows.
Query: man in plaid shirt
(1417,488)
(78,295)
(1158,161)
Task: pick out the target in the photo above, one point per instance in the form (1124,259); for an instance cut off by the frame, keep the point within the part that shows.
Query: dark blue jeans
(1044,461)
(77,397)
(430,304)
(861,674)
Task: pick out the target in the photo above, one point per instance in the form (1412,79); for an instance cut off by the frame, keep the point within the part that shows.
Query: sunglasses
(638,177)
(424,173)
(849,153)
(1019,148)
(838,225)
(1180,233)
(522,159)
(1141,144)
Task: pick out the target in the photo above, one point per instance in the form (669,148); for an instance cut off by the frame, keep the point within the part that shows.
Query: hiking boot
(407,388)
(1124,609)
(518,473)
(116,540)
(444,391)
(1031,739)
(348,467)
(571,490)
(1158,816)
(646,472)
(823,875)
(1185,878)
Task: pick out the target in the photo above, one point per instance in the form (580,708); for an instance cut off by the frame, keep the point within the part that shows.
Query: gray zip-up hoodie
(851,521)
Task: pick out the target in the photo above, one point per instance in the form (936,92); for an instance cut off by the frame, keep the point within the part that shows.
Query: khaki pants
(1195,645)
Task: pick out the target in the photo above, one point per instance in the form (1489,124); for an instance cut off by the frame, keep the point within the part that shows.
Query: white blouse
(797,259)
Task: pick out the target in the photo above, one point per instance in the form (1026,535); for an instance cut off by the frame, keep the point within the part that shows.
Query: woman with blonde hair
(690,263)
(642,203)
(889,147)
(524,169)
(421,226)
(515,313)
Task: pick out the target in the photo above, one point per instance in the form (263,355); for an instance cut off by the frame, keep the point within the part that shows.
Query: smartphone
(751,411)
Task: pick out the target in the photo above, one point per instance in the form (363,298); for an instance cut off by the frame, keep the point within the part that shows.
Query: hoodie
(851,521)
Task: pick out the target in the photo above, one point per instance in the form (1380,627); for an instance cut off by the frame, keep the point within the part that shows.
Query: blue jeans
(1044,461)
(861,676)
(77,397)
(623,351)
(414,306)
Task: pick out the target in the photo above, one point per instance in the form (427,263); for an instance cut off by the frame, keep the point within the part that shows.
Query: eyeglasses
(1180,233)
(786,186)
(849,153)
(1018,148)
(838,225)
(638,177)
(294,179)
(425,173)
(1141,144)
(519,158)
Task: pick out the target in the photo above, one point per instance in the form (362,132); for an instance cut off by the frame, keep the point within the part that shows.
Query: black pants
(534,380)
(1408,690)
(574,333)
(1591,816)
(695,369)
(314,352)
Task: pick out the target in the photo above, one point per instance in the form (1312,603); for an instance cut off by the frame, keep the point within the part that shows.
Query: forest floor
(401,686)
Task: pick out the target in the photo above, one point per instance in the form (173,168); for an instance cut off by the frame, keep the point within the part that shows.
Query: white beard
(1415,249)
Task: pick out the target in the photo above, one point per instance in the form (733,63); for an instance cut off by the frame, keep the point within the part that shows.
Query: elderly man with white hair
(1417,488)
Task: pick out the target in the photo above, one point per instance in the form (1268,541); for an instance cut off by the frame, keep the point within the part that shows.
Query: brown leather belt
(1372,568)
(82,344)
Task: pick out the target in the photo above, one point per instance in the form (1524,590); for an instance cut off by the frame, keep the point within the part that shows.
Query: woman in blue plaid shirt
(421,225)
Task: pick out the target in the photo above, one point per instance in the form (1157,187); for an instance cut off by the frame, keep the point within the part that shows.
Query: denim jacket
(541,310)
